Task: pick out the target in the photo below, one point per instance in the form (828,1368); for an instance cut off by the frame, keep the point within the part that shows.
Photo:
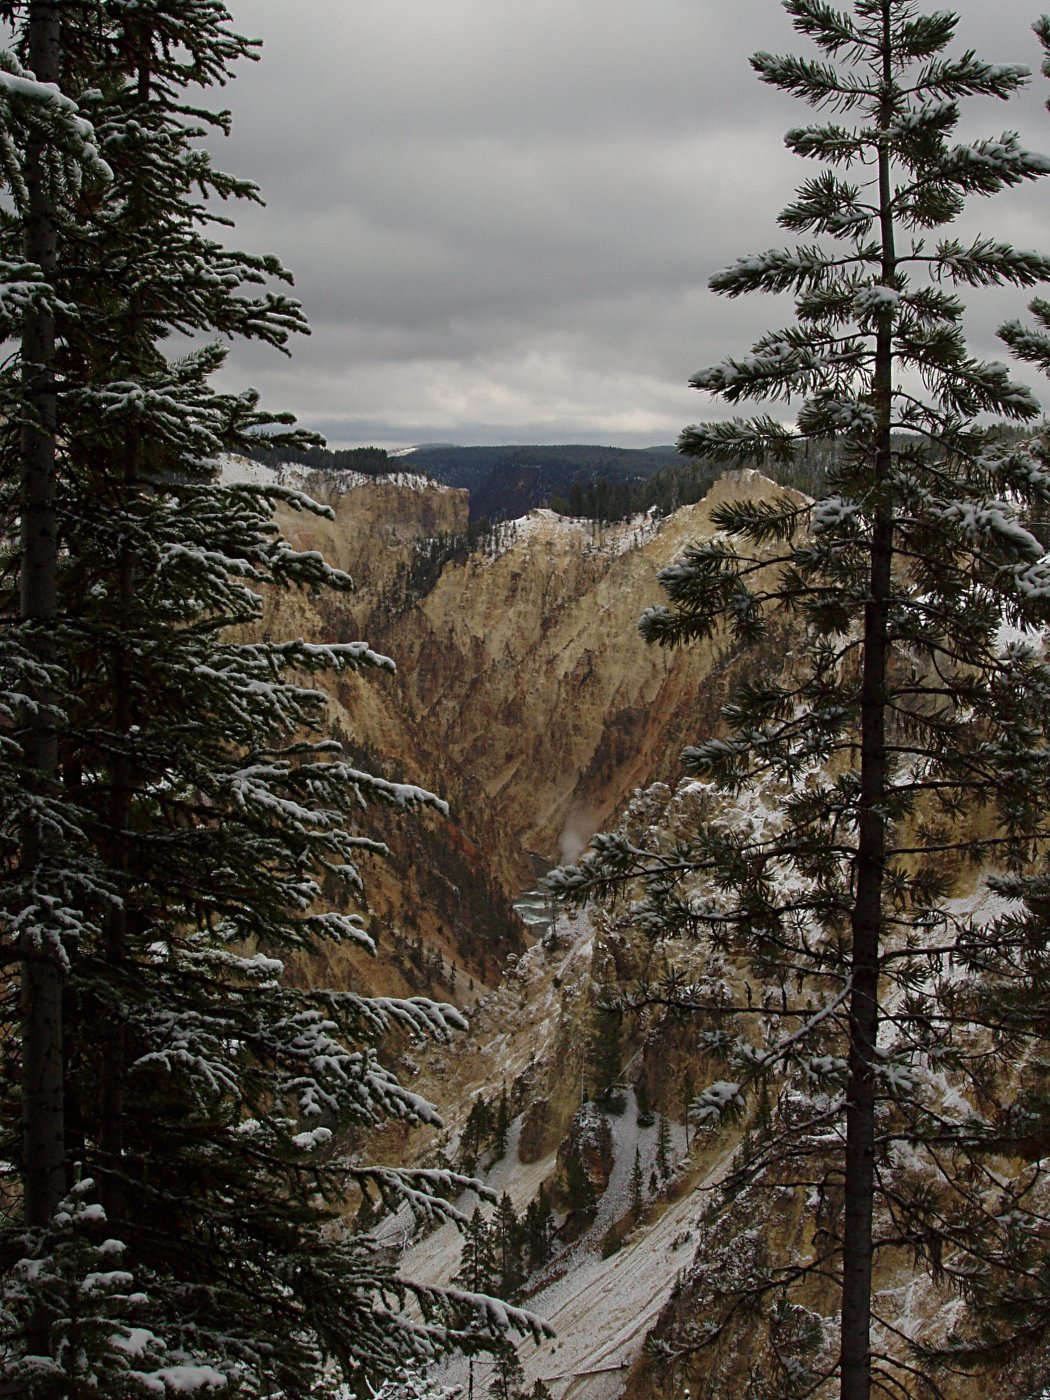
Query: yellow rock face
(525,693)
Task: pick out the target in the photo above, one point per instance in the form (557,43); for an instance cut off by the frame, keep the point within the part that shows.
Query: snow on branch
(986,263)
(785,269)
(499,1317)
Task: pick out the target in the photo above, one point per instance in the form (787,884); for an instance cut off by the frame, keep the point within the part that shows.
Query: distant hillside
(507,482)
(504,483)
(579,480)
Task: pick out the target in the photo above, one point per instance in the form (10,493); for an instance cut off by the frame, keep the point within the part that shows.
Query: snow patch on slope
(601,1309)
(234,470)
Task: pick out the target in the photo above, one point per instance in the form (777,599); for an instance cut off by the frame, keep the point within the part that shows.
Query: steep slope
(629,1290)
(525,695)
(523,686)
(443,892)
(602,1297)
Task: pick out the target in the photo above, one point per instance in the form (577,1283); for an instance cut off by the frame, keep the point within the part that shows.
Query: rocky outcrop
(535,1129)
(524,689)
(586,1153)
(524,694)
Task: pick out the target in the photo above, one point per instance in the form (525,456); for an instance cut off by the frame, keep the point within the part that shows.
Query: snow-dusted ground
(601,1309)
(613,539)
(235,470)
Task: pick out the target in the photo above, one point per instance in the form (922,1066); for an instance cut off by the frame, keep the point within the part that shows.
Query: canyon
(525,696)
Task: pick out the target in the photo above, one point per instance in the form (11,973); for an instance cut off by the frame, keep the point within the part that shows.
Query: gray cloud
(502,214)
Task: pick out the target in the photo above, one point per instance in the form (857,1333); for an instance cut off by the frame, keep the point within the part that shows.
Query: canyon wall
(524,691)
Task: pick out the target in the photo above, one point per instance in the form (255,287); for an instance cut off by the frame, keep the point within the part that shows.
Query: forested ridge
(585,482)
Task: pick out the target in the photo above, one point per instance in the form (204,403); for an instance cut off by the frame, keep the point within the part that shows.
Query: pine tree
(507,1241)
(538,1230)
(578,1188)
(637,1185)
(367,1214)
(476,1131)
(413,1385)
(688,1094)
(508,1377)
(501,1126)
(603,1050)
(1009,1298)
(663,1147)
(171,806)
(904,742)
(49,151)
(478,1264)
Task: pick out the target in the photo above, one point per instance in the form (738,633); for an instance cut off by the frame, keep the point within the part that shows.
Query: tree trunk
(43,1147)
(857,1248)
(114,1056)
(114,1059)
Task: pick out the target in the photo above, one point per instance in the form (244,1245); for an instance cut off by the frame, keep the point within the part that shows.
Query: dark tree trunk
(43,1146)
(114,1058)
(855,1357)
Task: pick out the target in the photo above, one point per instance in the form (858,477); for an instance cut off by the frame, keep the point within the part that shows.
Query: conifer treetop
(903,103)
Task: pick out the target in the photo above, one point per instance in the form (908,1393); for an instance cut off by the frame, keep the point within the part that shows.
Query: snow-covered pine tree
(902,748)
(46,151)
(507,1377)
(411,1385)
(1007,983)
(478,1265)
(168,854)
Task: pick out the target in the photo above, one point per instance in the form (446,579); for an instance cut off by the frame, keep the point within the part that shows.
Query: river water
(537,910)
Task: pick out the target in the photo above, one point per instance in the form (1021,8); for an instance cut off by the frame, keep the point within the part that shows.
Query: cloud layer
(502,214)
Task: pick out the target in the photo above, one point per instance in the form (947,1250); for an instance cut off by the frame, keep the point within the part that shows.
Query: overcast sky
(502,214)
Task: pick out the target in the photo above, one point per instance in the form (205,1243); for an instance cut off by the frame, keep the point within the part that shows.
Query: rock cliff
(524,692)
(525,695)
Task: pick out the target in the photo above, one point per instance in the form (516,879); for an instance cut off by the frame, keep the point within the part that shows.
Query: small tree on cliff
(508,1377)
(906,741)
(603,1048)
(479,1267)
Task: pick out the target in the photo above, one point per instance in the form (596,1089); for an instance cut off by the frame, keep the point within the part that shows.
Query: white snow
(1008,634)
(602,1310)
(184,1379)
(235,470)
(610,539)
